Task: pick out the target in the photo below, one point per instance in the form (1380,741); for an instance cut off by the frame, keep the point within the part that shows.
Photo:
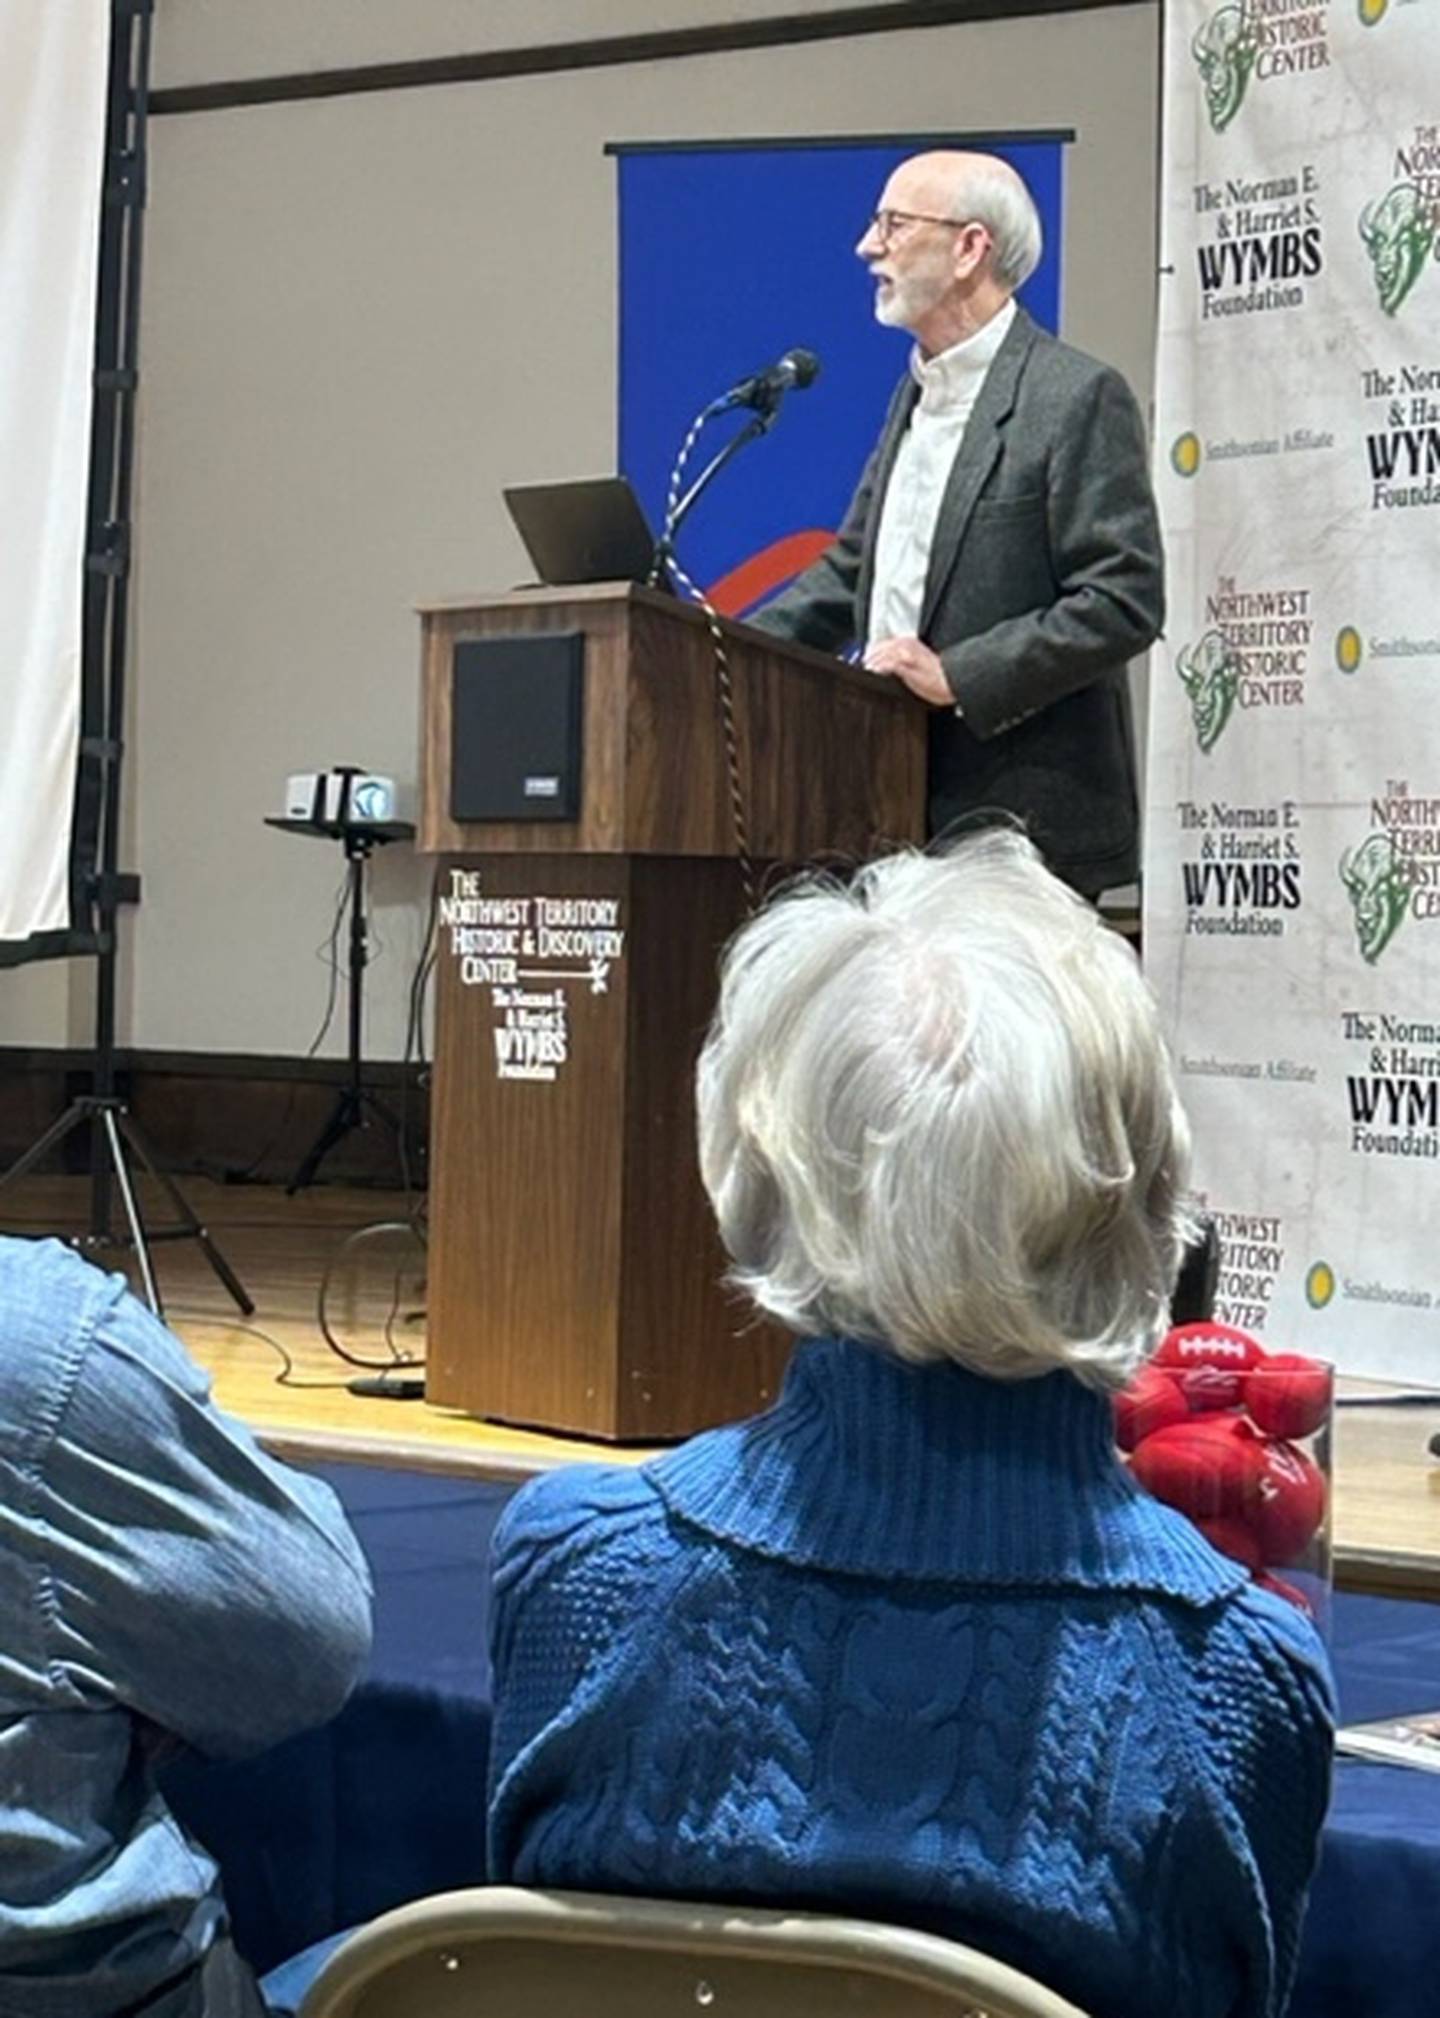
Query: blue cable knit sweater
(912,1646)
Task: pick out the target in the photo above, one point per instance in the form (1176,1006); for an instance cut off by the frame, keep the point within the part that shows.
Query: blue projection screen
(731,255)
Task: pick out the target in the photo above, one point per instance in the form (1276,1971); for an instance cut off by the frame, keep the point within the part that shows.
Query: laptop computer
(591,529)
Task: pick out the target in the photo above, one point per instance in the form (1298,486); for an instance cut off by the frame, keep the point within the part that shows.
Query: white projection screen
(54,59)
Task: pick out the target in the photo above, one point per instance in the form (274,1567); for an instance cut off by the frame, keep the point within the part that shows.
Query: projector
(340,796)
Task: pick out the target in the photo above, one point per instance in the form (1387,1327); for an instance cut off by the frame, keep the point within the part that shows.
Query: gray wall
(201,41)
(362,316)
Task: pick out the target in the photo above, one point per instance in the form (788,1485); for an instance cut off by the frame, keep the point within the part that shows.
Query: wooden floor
(1386,1525)
(274,1369)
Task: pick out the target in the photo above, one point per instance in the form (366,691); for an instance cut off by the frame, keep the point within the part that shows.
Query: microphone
(766,389)
(762,394)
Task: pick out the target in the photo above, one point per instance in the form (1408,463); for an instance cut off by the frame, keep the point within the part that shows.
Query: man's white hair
(936,1112)
(995,195)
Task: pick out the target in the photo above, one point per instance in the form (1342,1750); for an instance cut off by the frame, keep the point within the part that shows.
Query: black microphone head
(796,369)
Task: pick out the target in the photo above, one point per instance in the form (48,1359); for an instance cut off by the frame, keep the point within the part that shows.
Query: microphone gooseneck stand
(763,393)
(679,509)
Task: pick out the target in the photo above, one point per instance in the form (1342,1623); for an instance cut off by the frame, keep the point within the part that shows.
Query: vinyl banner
(1292,887)
(53,70)
(732,254)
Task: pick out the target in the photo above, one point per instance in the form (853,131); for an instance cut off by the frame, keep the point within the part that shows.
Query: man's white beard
(892,306)
(908,300)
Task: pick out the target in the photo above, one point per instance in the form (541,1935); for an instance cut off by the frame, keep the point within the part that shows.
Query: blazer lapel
(976,457)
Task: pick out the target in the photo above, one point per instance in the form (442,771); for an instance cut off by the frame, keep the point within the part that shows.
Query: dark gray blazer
(1046,575)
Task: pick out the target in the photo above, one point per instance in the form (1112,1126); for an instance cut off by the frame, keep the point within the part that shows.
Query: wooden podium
(574,1271)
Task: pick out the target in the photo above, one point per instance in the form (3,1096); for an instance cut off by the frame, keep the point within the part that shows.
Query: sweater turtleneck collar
(870,1465)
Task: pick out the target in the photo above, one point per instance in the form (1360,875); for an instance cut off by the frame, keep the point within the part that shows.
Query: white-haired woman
(911,1645)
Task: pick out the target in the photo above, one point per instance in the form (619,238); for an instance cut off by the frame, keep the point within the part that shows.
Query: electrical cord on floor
(286,1376)
(397,1359)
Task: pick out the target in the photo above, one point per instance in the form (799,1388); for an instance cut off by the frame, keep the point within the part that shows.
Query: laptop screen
(589,530)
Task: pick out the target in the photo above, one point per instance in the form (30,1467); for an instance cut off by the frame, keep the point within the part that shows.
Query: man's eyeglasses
(885,223)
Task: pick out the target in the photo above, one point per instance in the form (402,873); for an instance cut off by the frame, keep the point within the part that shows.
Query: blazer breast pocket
(1016,505)
(1003,567)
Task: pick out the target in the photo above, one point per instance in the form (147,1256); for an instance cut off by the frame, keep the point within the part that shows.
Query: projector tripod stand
(355,1103)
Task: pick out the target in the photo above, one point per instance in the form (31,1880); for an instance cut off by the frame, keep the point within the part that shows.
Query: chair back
(502,1952)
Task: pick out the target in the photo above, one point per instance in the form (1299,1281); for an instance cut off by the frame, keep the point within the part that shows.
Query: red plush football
(1288,1395)
(1233,1538)
(1205,1466)
(1206,1389)
(1215,1358)
(1152,1401)
(1287,1500)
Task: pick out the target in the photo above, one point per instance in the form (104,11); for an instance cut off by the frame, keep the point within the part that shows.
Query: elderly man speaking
(1001,555)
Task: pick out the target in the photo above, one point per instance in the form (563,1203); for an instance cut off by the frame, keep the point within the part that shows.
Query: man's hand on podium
(908,660)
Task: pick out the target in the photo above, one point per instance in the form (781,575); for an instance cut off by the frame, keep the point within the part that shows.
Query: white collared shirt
(949,387)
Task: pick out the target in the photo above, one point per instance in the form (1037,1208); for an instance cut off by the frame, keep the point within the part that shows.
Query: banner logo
(1224,49)
(1252,1254)
(1264,39)
(1398,232)
(1377,882)
(1243,878)
(1263,241)
(1393,1102)
(1210,674)
(1349,649)
(1254,655)
(1319,1284)
(1185,454)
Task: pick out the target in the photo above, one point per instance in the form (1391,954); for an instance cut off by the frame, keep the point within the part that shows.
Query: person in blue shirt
(161,1579)
(912,1645)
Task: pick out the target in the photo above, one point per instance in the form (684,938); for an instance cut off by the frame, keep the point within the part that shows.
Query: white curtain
(53,64)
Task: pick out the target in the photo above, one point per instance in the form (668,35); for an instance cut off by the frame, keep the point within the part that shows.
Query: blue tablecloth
(1372,1935)
(388,1802)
